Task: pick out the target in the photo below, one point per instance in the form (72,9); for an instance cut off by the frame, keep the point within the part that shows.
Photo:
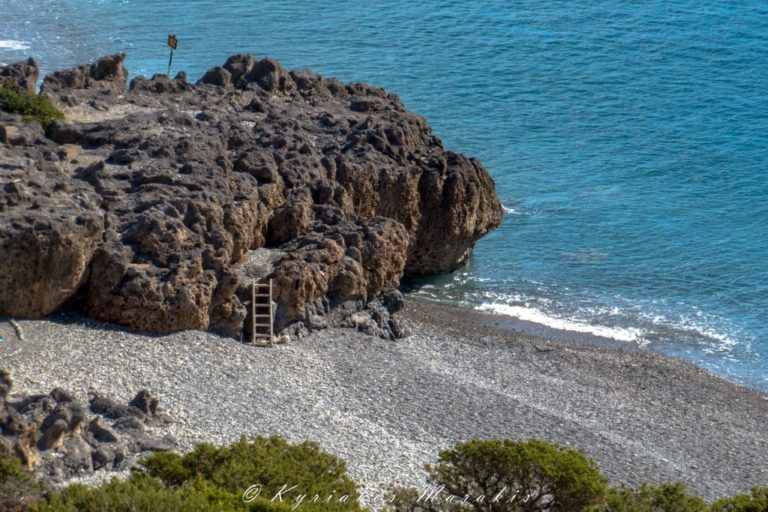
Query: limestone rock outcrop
(50,228)
(58,438)
(145,205)
(106,76)
(21,75)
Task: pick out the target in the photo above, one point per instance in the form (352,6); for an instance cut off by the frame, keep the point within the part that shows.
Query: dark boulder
(56,439)
(146,402)
(217,76)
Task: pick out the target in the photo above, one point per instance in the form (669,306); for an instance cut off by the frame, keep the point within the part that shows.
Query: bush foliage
(523,476)
(495,475)
(142,493)
(32,106)
(17,488)
(270,462)
(647,498)
(278,477)
(757,501)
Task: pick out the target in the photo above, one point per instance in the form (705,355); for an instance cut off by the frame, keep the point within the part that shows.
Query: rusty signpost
(173,43)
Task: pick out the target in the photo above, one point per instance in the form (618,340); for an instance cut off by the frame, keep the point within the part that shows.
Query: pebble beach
(389,407)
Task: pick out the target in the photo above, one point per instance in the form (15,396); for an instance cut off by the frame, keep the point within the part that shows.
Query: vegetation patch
(30,105)
(252,475)
(495,475)
(261,474)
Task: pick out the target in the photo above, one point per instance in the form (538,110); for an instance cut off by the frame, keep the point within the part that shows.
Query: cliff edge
(155,204)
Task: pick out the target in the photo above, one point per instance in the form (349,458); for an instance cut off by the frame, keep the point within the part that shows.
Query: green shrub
(757,501)
(216,479)
(142,493)
(648,498)
(30,105)
(272,463)
(495,475)
(18,489)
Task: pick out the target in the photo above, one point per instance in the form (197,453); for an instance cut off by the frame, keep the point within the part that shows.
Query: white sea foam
(697,327)
(10,44)
(724,339)
(511,211)
(537,316)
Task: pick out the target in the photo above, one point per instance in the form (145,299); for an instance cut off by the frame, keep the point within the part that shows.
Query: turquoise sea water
(628,140)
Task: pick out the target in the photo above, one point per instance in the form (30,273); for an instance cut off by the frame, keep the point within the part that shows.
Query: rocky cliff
(156,203)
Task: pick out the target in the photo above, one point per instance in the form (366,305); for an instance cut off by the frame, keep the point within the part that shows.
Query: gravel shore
(388,407)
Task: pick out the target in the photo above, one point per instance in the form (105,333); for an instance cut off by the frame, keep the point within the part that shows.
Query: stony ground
(388,407)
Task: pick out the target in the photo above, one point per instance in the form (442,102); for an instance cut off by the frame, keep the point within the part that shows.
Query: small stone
(103,456)
(145,402)
(129,423)
(60,395)
(101,432)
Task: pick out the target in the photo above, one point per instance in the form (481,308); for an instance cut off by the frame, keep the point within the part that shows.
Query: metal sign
(172,42)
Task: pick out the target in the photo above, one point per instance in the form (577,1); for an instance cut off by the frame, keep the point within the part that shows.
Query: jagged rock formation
(146,204)
(58,438)
(23,74)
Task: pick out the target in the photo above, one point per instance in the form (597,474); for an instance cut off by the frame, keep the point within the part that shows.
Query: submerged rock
(143,207)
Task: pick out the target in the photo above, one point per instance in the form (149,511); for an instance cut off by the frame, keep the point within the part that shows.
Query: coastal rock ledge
(155,205)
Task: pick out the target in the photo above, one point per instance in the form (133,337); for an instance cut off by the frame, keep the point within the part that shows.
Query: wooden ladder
(262,314)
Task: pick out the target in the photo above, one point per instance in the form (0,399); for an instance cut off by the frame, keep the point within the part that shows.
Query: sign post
(172,42)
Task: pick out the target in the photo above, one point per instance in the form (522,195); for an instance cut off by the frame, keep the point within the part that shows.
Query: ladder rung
(262,316)
(263,325)
(261,285)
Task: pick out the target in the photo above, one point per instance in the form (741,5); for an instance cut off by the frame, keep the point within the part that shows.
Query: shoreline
(504,322)
(389,407)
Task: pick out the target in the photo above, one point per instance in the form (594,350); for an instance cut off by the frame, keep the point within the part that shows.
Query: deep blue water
(628,140)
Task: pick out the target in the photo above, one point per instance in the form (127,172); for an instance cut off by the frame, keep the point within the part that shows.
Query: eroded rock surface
(58,438)
(149,200)
(21,75)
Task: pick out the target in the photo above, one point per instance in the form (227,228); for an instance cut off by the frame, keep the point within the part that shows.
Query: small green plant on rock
(30,105)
